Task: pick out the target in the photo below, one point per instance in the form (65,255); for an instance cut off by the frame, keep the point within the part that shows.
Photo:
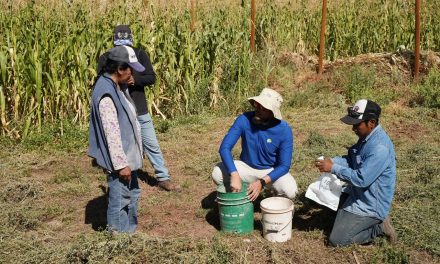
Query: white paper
(326,190)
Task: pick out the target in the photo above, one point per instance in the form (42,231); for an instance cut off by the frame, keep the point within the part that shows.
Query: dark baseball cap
(122,32)
(361,111)
(126,54)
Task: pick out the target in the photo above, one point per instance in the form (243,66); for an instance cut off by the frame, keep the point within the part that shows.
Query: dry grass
(53,200)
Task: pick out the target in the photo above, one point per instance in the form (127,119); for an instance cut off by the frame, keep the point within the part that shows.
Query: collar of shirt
(377,128)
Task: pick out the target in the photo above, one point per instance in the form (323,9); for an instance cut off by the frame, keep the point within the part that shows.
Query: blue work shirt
(370,169)
(262,147)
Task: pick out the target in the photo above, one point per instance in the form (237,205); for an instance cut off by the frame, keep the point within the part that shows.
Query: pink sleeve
(109,118)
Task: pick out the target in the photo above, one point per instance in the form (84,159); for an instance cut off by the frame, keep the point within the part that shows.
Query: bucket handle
(236,199)
(280,228)
(245,202)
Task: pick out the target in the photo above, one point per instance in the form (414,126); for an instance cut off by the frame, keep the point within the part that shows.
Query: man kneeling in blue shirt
(370,170)
(266,149)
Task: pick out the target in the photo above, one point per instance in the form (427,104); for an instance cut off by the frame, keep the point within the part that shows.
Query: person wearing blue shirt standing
(369,168)
(266,149)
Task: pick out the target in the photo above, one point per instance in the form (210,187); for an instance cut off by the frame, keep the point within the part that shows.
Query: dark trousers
(350,228)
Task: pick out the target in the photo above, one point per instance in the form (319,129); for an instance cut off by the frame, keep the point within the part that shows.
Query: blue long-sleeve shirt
(370,168)
(262,147)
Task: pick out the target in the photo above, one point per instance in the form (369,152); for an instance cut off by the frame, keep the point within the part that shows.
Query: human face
(364,128)
(262,113)
(124,75)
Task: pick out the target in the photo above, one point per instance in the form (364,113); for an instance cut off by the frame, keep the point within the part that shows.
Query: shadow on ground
(313,216)
(147,178)
(212,217)
(96,211)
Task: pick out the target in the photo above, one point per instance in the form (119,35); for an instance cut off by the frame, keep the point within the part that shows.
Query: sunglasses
(123,35)
(353,113)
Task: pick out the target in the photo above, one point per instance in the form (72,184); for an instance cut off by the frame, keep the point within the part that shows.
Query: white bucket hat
(271,100)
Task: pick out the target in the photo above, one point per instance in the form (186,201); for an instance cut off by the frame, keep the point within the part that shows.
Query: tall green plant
(48,51)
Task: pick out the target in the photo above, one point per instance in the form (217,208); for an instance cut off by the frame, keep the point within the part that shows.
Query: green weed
(64,135)
(391,255)
(23,219)
(211,67)
(428,93)
(16,192)
(220,253)
(317,145)
(68,175)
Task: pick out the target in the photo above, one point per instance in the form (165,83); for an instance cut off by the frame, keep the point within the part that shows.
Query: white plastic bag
(326,190)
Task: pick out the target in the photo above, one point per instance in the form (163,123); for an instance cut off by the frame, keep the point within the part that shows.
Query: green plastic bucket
(236,210)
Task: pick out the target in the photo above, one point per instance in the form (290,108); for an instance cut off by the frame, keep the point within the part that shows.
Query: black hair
(371,116)
(112,66)
(367,120)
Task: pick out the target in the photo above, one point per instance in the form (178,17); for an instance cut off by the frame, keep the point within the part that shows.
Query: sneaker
(169,186)
(388,230)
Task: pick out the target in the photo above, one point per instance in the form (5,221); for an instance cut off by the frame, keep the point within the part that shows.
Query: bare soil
(191,213)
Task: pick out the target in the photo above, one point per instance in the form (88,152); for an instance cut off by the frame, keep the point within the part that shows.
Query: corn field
(49,49)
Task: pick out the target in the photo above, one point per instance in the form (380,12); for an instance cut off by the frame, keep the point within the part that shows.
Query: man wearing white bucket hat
(370,169)
(267,148)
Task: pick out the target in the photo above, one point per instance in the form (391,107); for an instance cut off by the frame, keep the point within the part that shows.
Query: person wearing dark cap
(122,35)
(369,168)
(114,137)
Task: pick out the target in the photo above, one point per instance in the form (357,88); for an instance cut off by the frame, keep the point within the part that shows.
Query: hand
(324,165)
(125,174)
(235,182)
(130,81)
(254,190)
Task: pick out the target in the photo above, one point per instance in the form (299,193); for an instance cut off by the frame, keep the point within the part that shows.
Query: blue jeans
(123,198)
(152,148)
(350,228)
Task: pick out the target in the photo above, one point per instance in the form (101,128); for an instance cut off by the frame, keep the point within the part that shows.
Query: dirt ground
(72,193)
(190,152)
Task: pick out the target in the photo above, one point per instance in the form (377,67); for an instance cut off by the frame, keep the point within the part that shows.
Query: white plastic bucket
(277,214)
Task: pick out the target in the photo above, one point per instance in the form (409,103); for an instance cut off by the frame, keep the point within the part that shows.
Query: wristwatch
(263,182)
